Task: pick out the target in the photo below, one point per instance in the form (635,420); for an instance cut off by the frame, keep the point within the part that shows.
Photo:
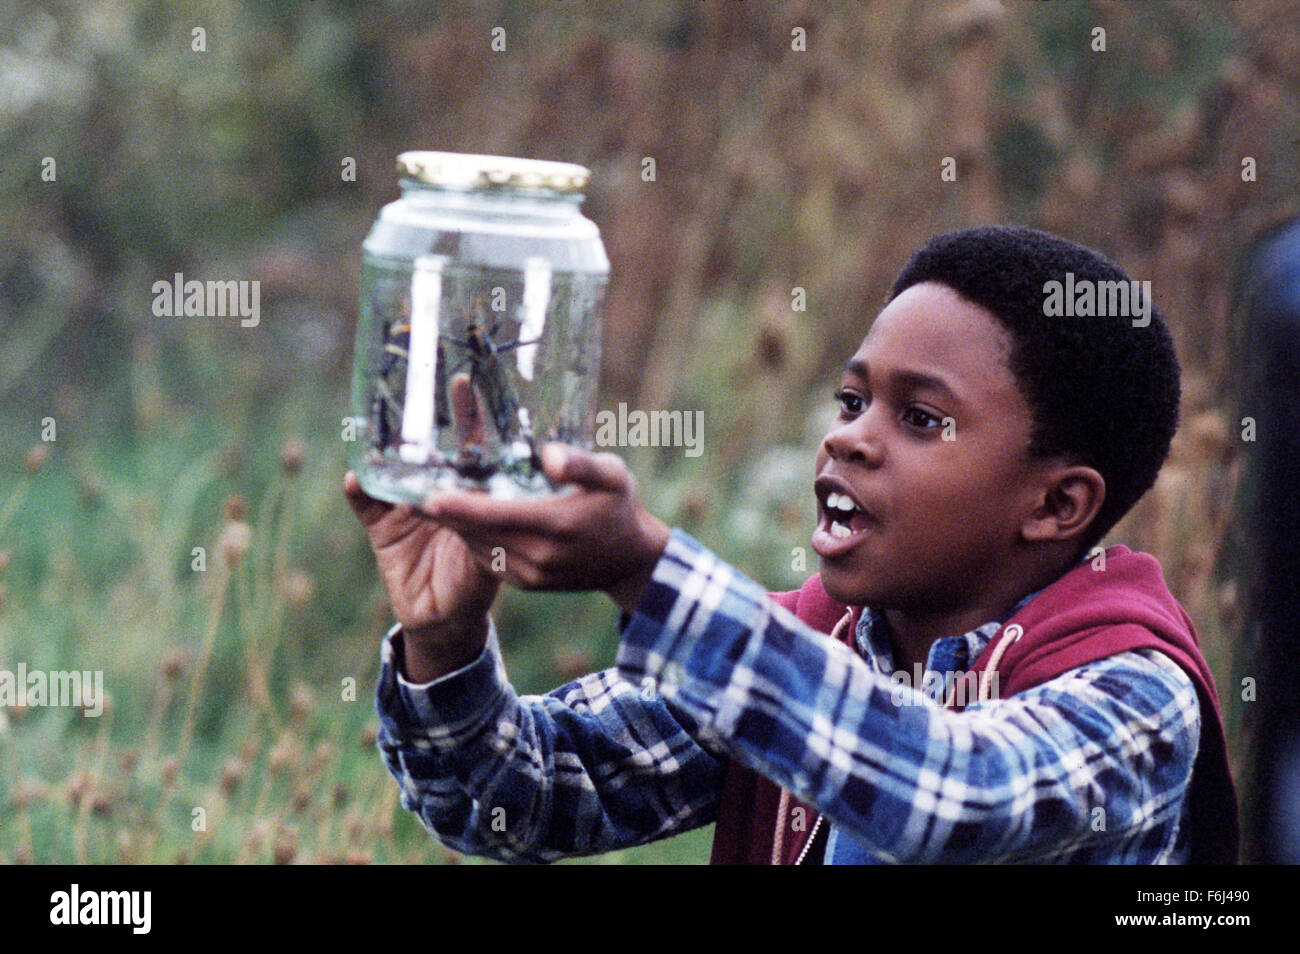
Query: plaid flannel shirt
(1092,766)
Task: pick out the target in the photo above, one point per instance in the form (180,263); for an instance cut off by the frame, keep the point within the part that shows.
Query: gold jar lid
(466,171)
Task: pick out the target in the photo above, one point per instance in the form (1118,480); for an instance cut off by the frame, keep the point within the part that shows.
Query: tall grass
(241,725)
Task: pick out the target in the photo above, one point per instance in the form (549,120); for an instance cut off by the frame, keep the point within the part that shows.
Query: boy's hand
(440,593)
(597,537)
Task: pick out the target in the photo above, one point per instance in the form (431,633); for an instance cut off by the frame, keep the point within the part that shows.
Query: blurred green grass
(101,575)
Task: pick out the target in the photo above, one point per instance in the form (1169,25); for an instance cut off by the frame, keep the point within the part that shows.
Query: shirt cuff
(439,714)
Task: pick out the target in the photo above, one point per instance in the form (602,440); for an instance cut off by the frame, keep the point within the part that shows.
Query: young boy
(984,444)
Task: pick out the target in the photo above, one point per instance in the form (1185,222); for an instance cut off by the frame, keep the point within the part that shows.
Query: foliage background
(776,169)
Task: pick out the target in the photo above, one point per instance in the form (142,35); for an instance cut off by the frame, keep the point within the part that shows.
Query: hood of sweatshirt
(1116,603)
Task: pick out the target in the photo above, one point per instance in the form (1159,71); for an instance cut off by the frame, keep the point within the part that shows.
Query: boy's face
(930,446)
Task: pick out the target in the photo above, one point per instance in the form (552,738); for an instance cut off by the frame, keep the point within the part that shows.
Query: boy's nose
(855,441)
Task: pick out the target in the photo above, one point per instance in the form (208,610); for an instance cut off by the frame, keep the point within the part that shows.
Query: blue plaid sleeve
(596,765)
(1091,766)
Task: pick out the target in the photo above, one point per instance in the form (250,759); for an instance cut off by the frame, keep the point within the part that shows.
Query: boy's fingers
(572,465)
(467,411)
(474,514)
(367,508)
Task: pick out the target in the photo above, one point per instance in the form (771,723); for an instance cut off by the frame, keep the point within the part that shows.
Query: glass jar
(478,338)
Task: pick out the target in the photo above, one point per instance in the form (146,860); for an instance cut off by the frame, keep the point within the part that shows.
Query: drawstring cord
(984,678)
(783,806)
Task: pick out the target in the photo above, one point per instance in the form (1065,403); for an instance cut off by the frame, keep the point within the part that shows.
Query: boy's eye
(921,418)
(849,402)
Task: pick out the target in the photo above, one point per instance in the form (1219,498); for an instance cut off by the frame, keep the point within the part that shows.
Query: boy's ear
(1070,496)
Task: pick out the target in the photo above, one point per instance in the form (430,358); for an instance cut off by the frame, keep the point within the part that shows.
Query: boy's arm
(594,766)
(1019,778)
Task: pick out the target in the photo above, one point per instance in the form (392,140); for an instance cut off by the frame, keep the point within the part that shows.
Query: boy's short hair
(1102,391)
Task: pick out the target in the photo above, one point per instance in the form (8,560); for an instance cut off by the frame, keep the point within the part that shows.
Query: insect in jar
(390,379)
(490,378)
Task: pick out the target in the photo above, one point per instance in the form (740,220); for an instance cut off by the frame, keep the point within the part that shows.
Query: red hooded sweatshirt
(1086,615)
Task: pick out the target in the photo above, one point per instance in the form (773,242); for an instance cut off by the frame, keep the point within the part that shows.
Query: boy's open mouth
(842,519)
